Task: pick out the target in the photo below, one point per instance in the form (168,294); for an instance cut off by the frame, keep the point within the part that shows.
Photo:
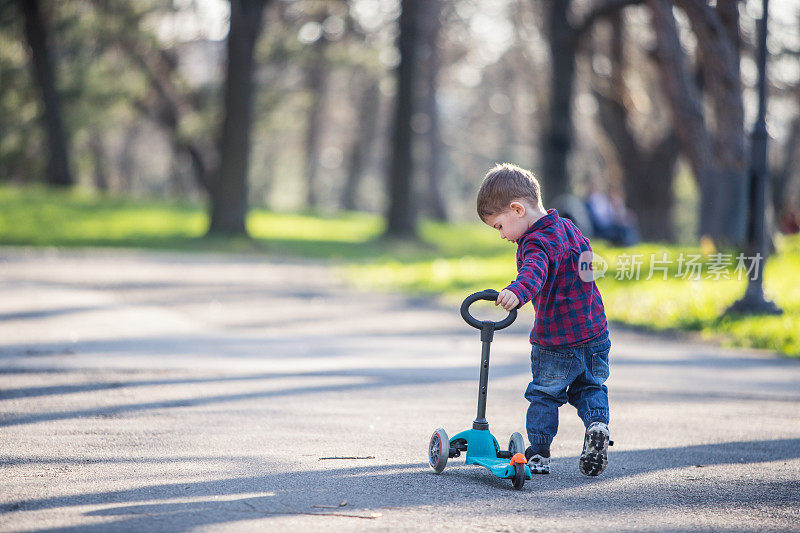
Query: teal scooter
(481,446)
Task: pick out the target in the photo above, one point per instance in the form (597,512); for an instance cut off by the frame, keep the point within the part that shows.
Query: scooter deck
(482,450)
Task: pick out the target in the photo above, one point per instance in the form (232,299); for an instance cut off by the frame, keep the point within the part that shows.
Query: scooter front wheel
(519,476)
(439,450)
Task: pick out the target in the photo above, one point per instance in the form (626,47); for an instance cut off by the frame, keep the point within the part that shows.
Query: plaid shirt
(569,311)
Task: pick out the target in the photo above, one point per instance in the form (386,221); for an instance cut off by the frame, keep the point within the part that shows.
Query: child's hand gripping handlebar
(490,295)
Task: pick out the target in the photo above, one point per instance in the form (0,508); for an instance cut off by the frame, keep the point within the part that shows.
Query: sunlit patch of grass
(39,216)
(347,228)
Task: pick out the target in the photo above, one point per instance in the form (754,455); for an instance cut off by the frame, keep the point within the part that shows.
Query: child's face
(511,223)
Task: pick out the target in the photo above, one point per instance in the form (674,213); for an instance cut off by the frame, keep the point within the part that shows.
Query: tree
(645,171)
(431,25)
(557,139)
(717,31)
(367,98)
(401,216)
(716,154)
(317,73)
(165,102)
(36,32)
(229,188)
(785,182)
(563,39)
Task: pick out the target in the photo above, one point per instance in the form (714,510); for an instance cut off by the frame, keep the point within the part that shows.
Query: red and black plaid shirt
(569,310)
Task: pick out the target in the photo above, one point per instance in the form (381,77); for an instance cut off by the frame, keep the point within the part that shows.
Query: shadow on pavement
(365,378)
(381,488)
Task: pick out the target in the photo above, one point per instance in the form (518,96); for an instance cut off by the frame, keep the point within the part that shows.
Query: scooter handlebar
(490,295)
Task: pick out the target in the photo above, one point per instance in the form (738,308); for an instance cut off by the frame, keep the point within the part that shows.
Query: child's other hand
(507,300)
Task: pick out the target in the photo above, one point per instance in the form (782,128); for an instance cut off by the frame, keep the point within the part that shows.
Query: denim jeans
(573,374)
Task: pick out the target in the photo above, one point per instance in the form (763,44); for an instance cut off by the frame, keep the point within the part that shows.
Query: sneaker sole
(595,457)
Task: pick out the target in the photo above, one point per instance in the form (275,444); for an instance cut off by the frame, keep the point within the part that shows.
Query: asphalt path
(146,391)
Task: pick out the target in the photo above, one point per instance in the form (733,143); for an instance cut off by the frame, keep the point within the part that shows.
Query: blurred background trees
(399,107)
(37,36)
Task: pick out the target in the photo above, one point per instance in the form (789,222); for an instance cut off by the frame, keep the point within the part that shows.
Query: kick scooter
(481,446)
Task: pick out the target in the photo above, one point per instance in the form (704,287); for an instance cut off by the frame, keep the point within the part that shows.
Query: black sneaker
(538,463)
(594,458)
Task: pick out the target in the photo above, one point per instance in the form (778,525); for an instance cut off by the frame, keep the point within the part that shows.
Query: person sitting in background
(610,218)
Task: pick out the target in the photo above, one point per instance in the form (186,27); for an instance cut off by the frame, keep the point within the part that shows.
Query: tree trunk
(99,156)
(368,107)
(436,149)
(58,170)
(317,82)
(650,194)
(646,175)
(688,116)
(785,179)
(718,46)
(269,163)
(563,40)
(127,158)
(229,196)
(401,216)
(557,139)
(718,160)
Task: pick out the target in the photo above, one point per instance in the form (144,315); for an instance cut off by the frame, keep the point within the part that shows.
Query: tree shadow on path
(629,484)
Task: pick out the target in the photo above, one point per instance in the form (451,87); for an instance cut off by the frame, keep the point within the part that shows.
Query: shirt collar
(548,219)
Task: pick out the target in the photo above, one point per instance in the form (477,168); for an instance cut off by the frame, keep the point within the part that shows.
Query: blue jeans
(573,374)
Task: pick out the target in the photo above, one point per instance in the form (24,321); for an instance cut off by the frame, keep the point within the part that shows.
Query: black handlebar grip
(490,295)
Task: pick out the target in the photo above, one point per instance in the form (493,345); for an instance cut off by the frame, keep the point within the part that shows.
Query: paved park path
(173,392)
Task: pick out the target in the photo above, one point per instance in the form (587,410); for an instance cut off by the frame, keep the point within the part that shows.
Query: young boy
(570,342)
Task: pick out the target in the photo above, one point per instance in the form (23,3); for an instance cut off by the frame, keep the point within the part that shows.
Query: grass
(672,304)
(450,260)
(37,216)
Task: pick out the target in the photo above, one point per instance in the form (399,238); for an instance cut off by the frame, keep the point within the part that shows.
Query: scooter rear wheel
(519,476)
(439,450)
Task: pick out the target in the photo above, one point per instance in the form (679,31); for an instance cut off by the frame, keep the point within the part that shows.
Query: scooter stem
(487,328)
(487,333)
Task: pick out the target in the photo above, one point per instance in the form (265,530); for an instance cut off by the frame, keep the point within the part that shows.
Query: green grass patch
(449,260)
(38,216)
(662,300)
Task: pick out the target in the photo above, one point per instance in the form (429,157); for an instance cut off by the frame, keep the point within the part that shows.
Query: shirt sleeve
(531,275)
